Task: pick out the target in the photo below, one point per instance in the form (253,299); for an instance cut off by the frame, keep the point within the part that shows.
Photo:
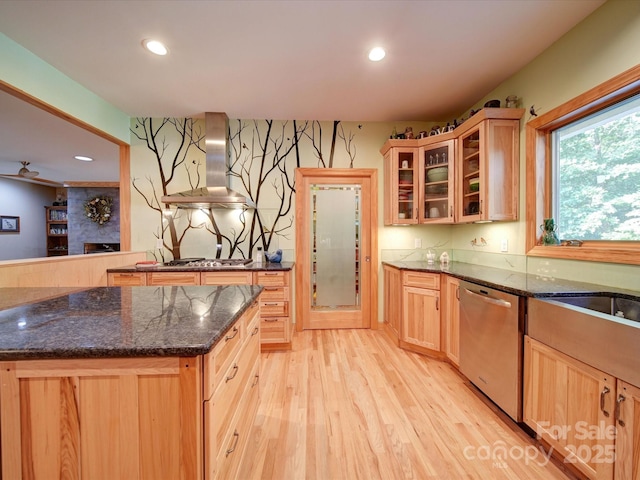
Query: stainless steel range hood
(216,193)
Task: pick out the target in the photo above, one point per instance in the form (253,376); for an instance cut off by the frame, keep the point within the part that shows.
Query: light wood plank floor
(348,404)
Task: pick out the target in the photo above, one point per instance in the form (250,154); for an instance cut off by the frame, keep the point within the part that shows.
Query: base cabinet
(451,300)
(421,311)
(102,418)
(588,416)
(275,302)
(232,391)
(392,301)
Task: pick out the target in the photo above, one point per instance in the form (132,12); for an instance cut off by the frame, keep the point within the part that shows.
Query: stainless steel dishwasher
(491,342)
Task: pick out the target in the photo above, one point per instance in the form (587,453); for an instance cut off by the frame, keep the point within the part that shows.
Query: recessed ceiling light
(376,54)
(154,46)
(83,158)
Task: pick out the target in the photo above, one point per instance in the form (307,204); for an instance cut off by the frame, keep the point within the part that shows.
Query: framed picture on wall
(9,224)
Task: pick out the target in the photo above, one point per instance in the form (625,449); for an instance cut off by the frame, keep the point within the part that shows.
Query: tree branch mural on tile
(263,155)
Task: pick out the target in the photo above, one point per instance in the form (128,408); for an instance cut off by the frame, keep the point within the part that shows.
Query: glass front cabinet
(437,182)
(468,175)
(401,164)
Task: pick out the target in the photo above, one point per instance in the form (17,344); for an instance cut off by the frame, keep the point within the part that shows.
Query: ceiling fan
(31,176)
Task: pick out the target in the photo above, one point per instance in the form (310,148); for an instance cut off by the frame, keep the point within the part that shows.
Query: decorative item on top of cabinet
(57,232)
(421,312)
(275,301)
(488,166)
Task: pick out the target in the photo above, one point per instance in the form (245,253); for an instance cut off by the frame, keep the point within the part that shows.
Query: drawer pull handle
(229,337)
(256,379)
(236,437)
(271,304)
(603,394)
(271,274)
(270,319)
(233,375)
(255,331)
(621,398)
(271,289)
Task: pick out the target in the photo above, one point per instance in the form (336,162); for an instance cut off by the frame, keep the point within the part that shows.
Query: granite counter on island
(128,382)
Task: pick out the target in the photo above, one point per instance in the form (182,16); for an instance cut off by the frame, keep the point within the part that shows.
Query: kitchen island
(125,382)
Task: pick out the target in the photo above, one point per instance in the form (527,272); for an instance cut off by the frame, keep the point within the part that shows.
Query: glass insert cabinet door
(335,247)
(437,197)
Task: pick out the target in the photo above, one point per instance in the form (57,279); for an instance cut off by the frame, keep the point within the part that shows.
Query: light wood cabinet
(134,279)
(102,418)
(57,231)
(275,301)
(451,300)
(627,464)
(173,278)
(392,307)
(468,175)
(419,181)
(572,405)
(488,166)
(421,311)
(401,186)
(226,278)
(231,372)
(437,181)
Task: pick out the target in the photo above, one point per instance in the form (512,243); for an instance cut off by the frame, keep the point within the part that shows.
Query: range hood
(216,193)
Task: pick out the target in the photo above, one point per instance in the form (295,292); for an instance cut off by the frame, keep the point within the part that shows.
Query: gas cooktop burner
(209,262)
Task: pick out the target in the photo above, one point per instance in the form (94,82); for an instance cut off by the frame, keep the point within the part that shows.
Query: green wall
(23,70)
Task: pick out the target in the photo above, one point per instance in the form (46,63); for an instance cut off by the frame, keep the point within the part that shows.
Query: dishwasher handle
(494,301)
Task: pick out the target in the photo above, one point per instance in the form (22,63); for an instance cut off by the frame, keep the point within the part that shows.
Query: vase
(549,236)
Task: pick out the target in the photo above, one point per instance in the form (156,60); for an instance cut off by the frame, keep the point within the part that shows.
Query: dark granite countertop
(108,322)
(518,283)
(269,267)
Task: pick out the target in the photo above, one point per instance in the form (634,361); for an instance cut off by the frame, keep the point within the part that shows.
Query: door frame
(302,238)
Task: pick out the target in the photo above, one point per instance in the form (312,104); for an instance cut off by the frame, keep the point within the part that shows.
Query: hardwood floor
(348,404)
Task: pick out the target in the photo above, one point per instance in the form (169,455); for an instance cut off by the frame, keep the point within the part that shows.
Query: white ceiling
(281,59)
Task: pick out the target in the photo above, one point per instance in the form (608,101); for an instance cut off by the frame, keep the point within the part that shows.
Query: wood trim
(10,437)
(125,173)
(36,102)
(538,171)
(93,184)
(88,367)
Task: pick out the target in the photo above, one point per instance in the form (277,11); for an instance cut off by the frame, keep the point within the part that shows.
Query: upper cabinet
(488,166)
(437,182)
(401,186)
(468,175)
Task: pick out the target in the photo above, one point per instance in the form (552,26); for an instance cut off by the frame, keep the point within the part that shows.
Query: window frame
(538,172)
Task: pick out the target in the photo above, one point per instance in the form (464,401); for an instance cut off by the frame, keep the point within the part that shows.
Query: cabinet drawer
(127,279)
(230,451)
(225,278)
(220,359)
(274,309)
(274,329)
(421,280)
(173,278)
(228,393)
(271,279)
(274,294)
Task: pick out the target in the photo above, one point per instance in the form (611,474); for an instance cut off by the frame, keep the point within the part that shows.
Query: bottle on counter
(258,258)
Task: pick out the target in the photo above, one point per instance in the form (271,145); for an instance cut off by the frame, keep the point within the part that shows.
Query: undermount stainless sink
(610,304)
